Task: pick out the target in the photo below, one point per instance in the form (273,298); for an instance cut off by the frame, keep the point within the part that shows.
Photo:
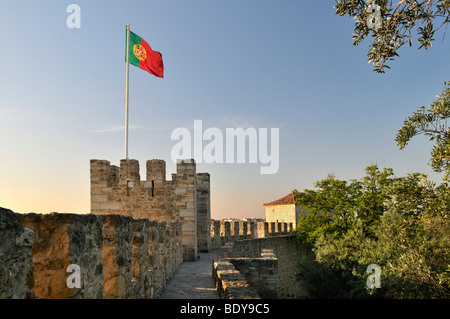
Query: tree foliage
(400,22)
(431,121)
(413,255)
(336,205)
(401,224)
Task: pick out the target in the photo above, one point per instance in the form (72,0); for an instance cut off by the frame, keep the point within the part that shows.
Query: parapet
(106,175)
(120,190)
(116,256)
(223,232)
(129,171)
(156,170)
(103,174)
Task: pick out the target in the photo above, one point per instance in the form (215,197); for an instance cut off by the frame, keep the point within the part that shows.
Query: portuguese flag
(142,56)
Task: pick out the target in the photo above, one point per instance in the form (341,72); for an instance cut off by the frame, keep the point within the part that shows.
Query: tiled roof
(286,200)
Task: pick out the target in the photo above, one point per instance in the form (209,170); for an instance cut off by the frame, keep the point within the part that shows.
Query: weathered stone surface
(230,283)
(124,257)
(121,191)
(141,259)
(63,240)
(116,256)
(203,212)
(16,260)
(86,251)
(287,251)
(260,273)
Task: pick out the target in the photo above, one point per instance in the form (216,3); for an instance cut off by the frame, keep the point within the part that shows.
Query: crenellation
(263,229)
(129,172)
(138,233)
(203,212)
(100,173)
(120,191)
(272,228)
(253,230)
(156,170)
(123,257)
(118,256)
(215,234)
(62,240)
(140,259)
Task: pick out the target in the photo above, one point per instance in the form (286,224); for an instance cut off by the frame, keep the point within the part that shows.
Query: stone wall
(261,273)
(186,188)
(120,190)
(230,283)
(117,256)
(203,212)
(287,252)
(16,259)
(62,240)
(223,232)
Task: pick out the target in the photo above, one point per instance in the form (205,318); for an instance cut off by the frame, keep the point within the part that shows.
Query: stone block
(16,261)
(117,257)
(110,205)
(63,240)
(99,198)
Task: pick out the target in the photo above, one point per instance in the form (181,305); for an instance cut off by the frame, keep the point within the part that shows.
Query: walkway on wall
(194,280)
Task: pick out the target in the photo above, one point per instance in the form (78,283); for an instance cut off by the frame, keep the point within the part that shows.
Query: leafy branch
(398,23)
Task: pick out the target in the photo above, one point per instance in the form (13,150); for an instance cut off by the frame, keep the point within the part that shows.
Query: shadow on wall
(116,256)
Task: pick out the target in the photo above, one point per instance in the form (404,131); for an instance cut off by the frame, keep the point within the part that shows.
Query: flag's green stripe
(134,39)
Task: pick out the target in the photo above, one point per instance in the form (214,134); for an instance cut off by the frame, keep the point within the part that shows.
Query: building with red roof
(283,210)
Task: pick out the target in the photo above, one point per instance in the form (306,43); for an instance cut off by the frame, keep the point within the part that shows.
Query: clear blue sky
(264,64)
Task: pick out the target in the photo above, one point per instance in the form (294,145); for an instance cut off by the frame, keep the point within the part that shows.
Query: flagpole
(127,71)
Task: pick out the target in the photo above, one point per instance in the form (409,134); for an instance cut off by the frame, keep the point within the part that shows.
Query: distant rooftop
(286,200)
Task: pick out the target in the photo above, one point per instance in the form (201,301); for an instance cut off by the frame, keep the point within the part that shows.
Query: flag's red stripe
(154,63)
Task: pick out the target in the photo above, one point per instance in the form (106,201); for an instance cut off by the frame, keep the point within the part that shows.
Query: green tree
(399,22)
(373,194)
(416,195)
(336,205)
(400,224)
(431,121)
(412,253)
(330,208)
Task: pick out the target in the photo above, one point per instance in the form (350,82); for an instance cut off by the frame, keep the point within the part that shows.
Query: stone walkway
(194,280)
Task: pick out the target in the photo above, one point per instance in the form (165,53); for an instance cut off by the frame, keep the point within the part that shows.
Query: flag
(141,55)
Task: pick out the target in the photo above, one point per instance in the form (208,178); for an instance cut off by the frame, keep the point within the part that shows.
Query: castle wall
(117,256)
(186,188)
(120,190)
(62,240)
(287,251)
(140,262)
(122,257)
(16,259)
(261,273)
(203,212)
(222,232)
(230,283)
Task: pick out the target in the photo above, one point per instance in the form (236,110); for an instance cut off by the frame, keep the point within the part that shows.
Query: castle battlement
(120,190)
(104,174)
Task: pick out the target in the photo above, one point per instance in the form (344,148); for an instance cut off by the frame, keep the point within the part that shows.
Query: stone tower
(120,190)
